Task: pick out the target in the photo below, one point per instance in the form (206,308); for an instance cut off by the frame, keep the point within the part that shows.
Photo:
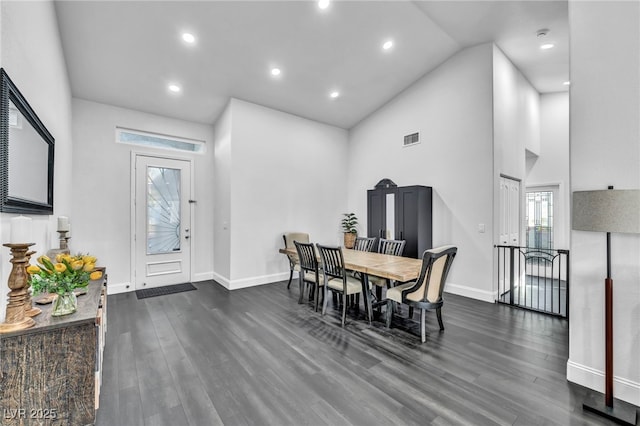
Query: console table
(50,374)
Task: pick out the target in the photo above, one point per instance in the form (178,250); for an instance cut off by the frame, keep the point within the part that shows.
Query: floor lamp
(608,211)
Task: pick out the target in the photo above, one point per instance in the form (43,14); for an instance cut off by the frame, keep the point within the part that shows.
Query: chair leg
(378,297)
(390,307)
(410,312)
(423,326)
(344,309)
(317,297)
(290,278)
(439,315)
(325,300)
(318,294)
(301,282)
(391,284)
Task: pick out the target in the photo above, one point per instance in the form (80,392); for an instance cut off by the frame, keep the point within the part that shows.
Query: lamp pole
(608,322)
(608,211)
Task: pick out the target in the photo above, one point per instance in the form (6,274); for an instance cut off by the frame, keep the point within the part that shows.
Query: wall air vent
(412,139)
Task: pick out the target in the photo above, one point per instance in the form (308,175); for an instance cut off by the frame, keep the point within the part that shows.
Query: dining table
(396,268)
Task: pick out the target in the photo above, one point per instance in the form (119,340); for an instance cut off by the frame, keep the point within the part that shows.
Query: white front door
(162,221)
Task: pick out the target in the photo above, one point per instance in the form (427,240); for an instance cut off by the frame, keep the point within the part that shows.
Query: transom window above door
(156,140)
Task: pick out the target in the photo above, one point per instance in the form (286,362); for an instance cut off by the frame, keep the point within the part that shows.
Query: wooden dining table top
(396,268)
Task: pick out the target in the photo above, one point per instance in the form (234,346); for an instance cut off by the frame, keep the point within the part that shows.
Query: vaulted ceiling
(126,53)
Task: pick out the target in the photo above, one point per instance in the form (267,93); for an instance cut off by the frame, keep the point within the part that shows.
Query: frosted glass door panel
(163,210)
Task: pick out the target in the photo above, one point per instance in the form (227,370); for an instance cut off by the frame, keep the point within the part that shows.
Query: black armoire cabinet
(403,213)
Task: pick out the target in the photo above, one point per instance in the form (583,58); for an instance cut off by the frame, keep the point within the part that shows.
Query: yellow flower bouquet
(69,273)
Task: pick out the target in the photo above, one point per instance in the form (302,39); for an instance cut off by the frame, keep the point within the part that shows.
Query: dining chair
(426,292)
(391,247)
(309,271)
(365,243)
(362,244)
(337,279)
(289,238)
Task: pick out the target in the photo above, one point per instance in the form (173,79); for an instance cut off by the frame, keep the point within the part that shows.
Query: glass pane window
(154,140)
(539,210)
(163,210)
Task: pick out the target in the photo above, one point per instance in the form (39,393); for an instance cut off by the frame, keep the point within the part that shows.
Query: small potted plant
(349,223)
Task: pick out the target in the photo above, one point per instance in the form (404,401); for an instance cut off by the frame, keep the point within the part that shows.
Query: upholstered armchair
(426,292)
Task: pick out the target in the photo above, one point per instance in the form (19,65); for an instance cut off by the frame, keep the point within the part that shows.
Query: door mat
(161,291)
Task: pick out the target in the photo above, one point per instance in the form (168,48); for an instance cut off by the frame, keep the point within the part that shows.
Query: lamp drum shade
(608,210)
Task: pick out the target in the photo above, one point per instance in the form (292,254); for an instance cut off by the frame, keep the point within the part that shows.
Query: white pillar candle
(63,223)
(20,230)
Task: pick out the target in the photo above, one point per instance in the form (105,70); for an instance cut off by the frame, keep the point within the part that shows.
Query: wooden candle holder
(29,309)
(64,246)
(18,283)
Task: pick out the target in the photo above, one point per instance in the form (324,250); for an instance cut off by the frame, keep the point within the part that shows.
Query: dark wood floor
(256,357)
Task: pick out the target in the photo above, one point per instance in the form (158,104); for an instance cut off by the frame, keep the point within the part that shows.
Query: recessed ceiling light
(275,71)
(188,38)
(542,32)
(175,88)
(567,83)
(547,46)
(323,4)
(334,94)
(387,45)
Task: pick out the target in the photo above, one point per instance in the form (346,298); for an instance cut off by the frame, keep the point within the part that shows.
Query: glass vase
(64,304)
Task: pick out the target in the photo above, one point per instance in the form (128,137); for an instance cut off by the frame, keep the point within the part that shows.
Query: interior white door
(509,212)
(162,221)
(514,213)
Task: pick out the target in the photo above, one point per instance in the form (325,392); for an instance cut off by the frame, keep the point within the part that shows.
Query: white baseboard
(223,281)
(126,287)
(250,282)
(202,276)
(119,288)
(254,281)
(473,293)
(623,389)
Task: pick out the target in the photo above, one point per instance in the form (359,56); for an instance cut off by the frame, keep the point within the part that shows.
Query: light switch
(481,228)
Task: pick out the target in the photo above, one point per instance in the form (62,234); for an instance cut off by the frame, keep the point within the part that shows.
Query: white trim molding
(203,276)
(471,292)
(223,281)
(119,288)
(252,281)
(623,389)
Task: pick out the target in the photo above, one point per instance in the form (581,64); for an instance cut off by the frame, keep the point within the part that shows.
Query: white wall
(451,107)
(288,174)
(222,196)
(31,54)
(516,106)
(605,150)
(516,124)
(551,167)
(101,219)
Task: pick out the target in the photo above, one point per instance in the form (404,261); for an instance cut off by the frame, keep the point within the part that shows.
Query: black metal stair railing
(533,278)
